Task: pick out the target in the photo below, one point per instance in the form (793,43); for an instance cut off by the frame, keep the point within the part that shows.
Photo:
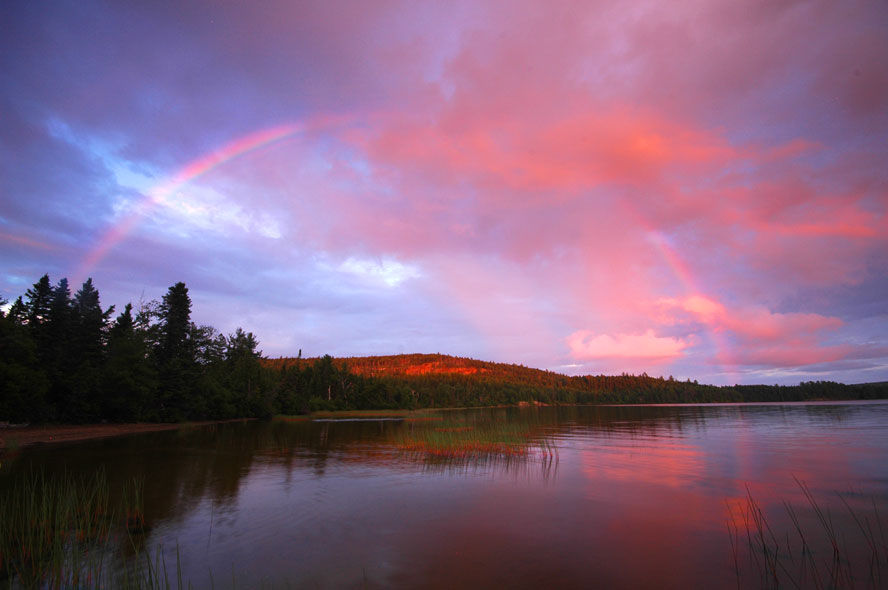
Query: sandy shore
(16,438)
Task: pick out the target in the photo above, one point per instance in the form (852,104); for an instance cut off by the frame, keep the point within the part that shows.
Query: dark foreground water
(610,497)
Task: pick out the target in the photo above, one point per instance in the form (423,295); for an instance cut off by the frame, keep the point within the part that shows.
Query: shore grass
(362,414)
(407,415)
(459,439)
(48,530)
(435,433)
(63,532)
(67,532)
(823,555)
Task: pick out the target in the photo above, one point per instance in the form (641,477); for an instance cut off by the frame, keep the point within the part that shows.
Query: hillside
(436,380)
(402,365)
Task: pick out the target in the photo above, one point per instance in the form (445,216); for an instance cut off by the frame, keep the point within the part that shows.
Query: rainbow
(158,194)
(685,276)
(259,139)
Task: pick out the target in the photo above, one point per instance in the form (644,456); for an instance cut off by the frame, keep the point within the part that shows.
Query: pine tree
(23,385)
(245,375)
(175,354)
(128,381)
(39,300)
(59,362)
(18,312)
(37,306)
(92,324)
(175,322)
(87,350)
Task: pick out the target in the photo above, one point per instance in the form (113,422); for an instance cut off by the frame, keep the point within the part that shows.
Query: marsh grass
(473,440)
(49,530)
(370,414)
(346,414)
(818,549)
(63,532)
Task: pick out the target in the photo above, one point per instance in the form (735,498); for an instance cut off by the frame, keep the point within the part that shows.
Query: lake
(568,497)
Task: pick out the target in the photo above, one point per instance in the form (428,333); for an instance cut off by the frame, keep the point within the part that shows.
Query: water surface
(618,497)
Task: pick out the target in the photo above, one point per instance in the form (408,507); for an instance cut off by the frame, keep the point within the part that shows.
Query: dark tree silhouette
(128,380)
(39,300)
(174,314)
(62,359)
(175,354)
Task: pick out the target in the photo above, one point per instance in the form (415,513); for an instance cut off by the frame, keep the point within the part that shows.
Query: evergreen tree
(59,318)
(128,381)
(39,301)
(175,355)
(291,391)
(245,375)
(59,362)
(92,324)
(87,348)
(174,314)
(321,383)
(23,385)
(37,306)
(18,312)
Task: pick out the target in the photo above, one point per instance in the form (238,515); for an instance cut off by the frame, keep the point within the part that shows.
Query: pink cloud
(762,337)
(504,147)
(492,205)
(593,145)
(584,344)
(551,168)
(755,322)
(790,354)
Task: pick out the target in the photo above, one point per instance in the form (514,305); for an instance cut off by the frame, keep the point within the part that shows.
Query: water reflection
(628,496)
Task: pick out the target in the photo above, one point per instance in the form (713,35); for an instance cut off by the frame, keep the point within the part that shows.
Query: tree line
(66,358)
(436,380)
(448,390)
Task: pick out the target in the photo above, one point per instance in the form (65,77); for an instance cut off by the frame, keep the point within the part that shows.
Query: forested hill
(441,380)
(66,358)
(401,365)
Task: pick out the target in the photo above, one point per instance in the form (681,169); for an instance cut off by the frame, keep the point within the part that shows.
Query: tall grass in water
(62,532)
(473,440)
(824,555)
(49,530)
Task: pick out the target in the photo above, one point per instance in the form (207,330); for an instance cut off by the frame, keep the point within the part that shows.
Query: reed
(61,532)
(49,530)
(804,555)
(473,440)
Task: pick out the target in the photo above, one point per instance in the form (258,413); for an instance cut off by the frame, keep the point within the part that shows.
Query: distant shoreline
(13,438)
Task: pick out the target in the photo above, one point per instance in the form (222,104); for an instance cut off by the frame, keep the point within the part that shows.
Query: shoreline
(16,438)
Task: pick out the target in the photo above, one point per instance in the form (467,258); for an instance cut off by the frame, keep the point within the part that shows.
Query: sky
(694,188)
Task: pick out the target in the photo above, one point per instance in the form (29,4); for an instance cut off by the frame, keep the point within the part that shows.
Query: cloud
(702,184)
(584,344)
(758,336)
(388,272)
